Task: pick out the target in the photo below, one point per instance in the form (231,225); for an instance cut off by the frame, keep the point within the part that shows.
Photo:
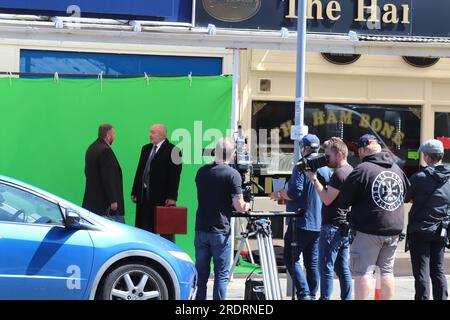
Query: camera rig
(312,163)
(243,164)
(258,224)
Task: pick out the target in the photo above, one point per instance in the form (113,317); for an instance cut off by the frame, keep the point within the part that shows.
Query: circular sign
(341,58)
(387,191)
(420,62)
(232,10)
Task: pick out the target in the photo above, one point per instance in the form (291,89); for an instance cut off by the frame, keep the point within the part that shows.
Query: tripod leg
(294,245)
(274,269)
(236,257)
(279,295)
(250,251)
(263,262)
(247,243)
(270,267)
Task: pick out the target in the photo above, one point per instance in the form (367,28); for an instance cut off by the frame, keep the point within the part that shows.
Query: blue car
(53,249)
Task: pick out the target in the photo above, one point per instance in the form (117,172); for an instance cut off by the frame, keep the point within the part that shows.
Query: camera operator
(334,242)
(218,188)
(301,194)
(375,190)
(428,222)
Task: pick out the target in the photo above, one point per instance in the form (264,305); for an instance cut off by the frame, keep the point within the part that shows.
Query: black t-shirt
(331,214)
(217,184)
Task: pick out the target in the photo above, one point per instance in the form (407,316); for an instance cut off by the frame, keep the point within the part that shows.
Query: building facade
(380,94)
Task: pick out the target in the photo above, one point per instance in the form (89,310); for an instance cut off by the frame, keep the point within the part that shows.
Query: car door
(39,257)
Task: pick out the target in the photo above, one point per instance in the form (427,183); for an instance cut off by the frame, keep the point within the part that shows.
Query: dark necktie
(146,175)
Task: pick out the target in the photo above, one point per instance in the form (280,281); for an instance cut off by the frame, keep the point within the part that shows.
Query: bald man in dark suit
(157,178)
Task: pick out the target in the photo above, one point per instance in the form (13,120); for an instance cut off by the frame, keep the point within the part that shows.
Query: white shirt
(158,145)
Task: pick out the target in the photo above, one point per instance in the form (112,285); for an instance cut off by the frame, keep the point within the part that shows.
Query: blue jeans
(217,246)
(308,245)
(334,257)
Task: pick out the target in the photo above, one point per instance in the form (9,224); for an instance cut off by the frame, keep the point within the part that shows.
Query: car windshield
(17,205)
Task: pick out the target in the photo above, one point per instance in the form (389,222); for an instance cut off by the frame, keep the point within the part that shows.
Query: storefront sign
(384,128)
(380,17)
(232,11)
(164,10)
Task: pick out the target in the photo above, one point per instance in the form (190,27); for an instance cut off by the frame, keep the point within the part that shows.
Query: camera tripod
(259,225)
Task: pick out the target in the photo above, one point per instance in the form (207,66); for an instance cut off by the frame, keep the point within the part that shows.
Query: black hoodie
(430,193)
(375,190)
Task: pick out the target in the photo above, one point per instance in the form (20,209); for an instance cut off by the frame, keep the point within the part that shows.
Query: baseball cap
(366,140)
(432,146)
(311,140)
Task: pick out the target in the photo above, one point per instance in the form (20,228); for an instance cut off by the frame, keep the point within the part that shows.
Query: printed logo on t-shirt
(387,191)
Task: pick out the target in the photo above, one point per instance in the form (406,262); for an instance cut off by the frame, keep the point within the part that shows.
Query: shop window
(398,128)
(442,131)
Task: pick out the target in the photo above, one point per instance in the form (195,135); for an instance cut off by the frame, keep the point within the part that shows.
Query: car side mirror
(73,219)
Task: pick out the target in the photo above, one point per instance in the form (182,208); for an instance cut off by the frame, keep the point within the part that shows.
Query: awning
(63,29)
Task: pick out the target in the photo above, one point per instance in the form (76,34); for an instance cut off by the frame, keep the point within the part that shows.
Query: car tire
(134,282)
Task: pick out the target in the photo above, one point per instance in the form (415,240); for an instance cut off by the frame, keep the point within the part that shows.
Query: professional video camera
(243,164)
(312,163)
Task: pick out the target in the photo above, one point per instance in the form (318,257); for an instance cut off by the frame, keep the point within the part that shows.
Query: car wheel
(134,282)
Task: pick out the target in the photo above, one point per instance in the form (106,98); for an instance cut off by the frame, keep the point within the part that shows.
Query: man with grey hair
(218,189)
(428,222)
(157,178)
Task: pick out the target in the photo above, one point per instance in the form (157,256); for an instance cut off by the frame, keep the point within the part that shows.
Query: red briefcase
(171,220)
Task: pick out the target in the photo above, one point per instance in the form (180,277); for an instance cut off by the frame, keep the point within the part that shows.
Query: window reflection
(397,127)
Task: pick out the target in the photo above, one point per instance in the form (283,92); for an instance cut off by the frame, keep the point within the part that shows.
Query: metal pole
(235,93)
(193,14)
(300,83)
(300,80)
(234,127)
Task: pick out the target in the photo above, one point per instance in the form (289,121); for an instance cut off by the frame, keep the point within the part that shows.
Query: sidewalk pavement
(404,288)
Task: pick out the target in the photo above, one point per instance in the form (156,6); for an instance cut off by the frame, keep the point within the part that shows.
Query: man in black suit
(104,187)
(157,178)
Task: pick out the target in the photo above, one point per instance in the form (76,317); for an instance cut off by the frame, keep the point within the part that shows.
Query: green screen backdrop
(47,125)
